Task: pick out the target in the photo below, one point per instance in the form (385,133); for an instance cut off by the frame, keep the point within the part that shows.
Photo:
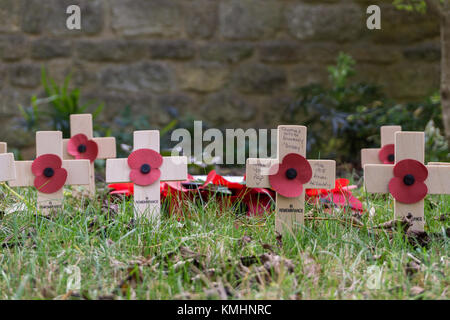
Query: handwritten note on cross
(377,178)
(371,156)
(7,167)
(51,143)
(82,124)
(291,140)
(147,198)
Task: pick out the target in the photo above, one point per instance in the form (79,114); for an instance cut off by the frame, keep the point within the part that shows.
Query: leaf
(416,290)
(244,241)
(133,278)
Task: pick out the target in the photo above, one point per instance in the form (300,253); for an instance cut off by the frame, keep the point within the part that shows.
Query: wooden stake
(290,211)
(7,167)
(370,156)
(83,123)
(147,198)
(51,142)
(408,145)
(3,147)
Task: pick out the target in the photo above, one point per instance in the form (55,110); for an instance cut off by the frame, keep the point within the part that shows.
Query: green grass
(214,254)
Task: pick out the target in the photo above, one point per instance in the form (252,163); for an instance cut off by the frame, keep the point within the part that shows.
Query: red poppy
(387,154)
(80,147)
(408,185)
(145,164)
(50,176)
(293,172)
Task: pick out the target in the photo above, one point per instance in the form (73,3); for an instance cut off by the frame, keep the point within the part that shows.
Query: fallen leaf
(416,290)
(244,241)
(404,223)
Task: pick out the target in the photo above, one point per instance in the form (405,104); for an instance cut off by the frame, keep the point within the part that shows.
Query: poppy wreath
(144,165)
(290,175)
(387,154)
(408,184)
(340,196)
(80,147)
(49,174)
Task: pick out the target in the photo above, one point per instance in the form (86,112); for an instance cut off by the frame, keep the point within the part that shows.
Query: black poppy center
(409,179)
(391,158)
(49,172)
(145,169)
(82,148)
(291,173)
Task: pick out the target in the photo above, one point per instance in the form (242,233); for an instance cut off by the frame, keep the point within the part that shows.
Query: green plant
(55,109)
(345,117)
(327,111)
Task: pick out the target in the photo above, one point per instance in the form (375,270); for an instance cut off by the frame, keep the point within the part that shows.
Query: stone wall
(232,63)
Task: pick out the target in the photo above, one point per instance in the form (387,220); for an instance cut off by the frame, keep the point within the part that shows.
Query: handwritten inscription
(321,175)
(259,172)
(292,140)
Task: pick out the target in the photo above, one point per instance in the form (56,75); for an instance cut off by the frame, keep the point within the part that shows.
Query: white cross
(408,145)
(82,123)
(291,139)
(147,198)
(51,142)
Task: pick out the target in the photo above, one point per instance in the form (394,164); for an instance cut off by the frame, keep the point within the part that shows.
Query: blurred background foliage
(342,118)
(346,116)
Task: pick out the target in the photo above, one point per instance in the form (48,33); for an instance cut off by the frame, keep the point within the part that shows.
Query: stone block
(111,50)
(13,47)
(202,77)
(226,52)
(146,18)
(25,75)
(171,49)
(9,16)
(337,22)
(45,48)
(249,19)
(259,78)
(201,18)
(152,76)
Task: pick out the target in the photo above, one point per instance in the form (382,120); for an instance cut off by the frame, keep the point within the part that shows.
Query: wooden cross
(370,156)
(51,142)
(408,145)
(291,139)
(82,124)
(7,167)
(147,198)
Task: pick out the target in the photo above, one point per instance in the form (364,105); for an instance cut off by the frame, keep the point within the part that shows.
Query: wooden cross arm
(77,173)
(7,167)
(106,148)
(369,156)
(324,173)
(377,177)
(172,169)
(257,172)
